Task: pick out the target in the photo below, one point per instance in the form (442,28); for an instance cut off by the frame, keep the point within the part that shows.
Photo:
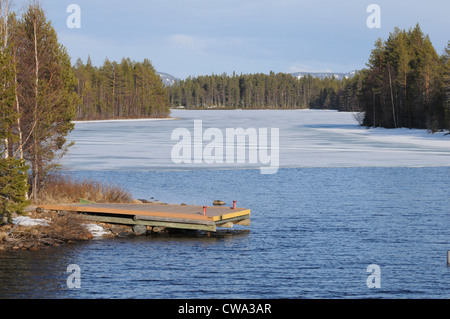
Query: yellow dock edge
(232,215)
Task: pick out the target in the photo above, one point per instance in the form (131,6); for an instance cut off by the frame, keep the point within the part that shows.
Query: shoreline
(127,120)
(39,229)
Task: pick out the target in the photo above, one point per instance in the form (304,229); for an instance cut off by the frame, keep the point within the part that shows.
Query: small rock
(218,203)
(140,230)
(116,229)
(30,209)
(136,201)
(64,213)
(3,236)
(158,229)
(34,232)
(40,210)
(125,234)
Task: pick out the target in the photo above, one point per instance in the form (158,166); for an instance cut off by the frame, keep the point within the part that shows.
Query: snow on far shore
(126,120)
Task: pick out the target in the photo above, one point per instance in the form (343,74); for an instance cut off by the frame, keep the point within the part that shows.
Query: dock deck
(162,215)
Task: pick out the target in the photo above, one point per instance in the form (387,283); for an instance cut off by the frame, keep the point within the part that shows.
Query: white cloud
(187,42)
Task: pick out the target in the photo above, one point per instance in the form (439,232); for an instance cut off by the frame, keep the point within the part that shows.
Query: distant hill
(168,79)
(323,75)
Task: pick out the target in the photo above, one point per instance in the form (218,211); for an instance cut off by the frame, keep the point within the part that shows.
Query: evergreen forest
(406,84)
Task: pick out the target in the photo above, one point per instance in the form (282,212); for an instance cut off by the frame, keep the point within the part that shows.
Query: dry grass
(64,190)
(65,228)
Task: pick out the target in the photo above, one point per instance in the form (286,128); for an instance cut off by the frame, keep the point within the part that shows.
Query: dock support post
(448,258)
(204,210)
(234,204)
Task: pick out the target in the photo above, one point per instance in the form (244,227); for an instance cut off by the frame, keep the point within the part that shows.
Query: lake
(343,198)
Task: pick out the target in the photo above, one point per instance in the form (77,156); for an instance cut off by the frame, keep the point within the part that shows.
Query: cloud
(183,41)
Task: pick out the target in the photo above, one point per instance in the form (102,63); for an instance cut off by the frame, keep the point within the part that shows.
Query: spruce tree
(13,187)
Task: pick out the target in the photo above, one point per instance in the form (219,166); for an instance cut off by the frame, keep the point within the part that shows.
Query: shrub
(63,189)
(13,187)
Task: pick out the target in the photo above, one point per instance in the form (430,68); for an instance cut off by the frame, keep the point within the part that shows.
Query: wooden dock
(161,215)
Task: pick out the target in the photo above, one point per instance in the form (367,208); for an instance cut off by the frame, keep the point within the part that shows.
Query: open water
(316,227)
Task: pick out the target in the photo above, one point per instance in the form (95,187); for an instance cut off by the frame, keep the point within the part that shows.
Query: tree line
(406,84)
(127,89)
(273,91)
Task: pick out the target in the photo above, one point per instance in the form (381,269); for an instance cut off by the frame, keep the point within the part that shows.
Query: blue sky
(194,37)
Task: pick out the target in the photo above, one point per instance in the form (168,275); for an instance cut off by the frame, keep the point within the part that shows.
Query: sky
(198,37)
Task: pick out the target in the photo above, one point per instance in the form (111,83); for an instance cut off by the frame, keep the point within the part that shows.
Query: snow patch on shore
(96,230)
(28,221)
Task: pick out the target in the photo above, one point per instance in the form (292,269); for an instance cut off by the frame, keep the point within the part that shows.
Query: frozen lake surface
(307,138)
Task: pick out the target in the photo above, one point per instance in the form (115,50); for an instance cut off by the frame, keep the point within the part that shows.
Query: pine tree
(446,85)
(8,114)
(46,93)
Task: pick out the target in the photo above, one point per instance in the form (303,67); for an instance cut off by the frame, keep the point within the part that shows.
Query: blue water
(314,232)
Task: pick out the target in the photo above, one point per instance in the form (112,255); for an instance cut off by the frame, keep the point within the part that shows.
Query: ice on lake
(307,138)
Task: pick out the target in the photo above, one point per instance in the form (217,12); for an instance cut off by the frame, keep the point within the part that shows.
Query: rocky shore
(42,228)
